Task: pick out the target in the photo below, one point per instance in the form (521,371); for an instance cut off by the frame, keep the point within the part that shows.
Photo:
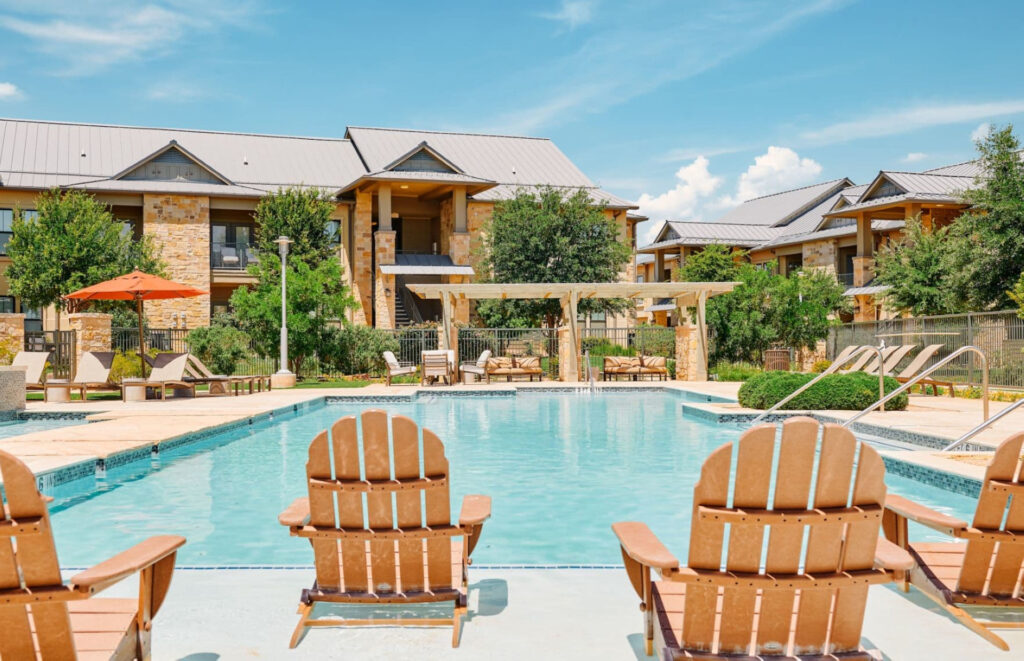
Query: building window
(7,304)
(333,230)
(231,246)
(794,263)
(6,222)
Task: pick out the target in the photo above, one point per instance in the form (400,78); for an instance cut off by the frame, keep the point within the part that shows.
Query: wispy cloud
(86,37)
(914,157)
(620,61)
(572,13)
(10,92)
(905,120)
(688,154)
(176,92)
(981,131)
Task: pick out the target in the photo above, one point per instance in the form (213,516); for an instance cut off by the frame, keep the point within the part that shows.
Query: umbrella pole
(142,339)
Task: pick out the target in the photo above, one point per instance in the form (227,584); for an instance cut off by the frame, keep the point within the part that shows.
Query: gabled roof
(780,208)
(830,233)
(914,183)
(676,233)
(42,154)
(172,146)
(423,147)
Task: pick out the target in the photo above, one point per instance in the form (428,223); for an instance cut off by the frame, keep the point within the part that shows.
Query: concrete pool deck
(217,615)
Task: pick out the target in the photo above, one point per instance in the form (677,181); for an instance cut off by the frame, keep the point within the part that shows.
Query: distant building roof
(780,208)
(676,233)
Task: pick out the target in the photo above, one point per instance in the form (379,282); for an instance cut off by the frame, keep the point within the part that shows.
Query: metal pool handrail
(913,381)
(832,369)
(984,424)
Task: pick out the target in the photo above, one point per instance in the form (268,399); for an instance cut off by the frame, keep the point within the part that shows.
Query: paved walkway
(222,615)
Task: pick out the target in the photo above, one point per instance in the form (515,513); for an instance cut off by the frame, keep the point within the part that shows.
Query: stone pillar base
(565,349)
(12,390)
(280,380)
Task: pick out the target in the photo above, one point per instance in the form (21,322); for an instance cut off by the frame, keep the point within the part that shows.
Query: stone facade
(384,287)
(92,332)
(690,364)
(12,332)
(565,351)
(863,270)
(362,257)
(180,227)
(459,252)
(820,255)
(12,391)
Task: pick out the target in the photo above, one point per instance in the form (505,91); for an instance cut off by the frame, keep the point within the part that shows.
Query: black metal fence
(176,340)
(542,342)
(639,340)
(412,342)
(1000,335)
(60,344)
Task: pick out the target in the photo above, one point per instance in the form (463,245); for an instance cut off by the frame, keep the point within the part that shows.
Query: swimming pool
(20,426)
(561,467)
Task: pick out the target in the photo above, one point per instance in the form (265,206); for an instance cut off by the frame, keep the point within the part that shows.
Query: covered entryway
(691,337)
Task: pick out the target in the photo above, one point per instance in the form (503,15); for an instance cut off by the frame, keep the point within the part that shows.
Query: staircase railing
(984,425)
(925,373)
(832,369)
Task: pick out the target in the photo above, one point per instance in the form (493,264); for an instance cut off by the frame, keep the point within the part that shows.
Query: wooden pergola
(685,294)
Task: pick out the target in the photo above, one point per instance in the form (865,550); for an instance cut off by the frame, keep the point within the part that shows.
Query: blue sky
(688,107)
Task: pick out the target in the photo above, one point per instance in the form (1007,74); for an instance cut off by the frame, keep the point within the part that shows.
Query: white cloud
(914,157)
(895,122)
(778,169)
(980,132)
(88,37)
(694,185)
(9,92)
(572,13)
(175,91)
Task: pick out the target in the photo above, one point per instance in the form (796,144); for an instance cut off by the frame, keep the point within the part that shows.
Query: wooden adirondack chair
(66,621)
(407,560)
(984,571)
(805,605)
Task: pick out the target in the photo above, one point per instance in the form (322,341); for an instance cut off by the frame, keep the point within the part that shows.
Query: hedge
(851,392)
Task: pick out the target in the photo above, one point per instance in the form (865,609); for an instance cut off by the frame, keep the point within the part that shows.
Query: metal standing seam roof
(55,149)
(830,233)
(811,219)
(706,233)
(863,291)
(509,191)
(894,199)
(779,208)
(915,182)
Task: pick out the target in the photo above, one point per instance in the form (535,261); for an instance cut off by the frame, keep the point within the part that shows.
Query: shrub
(820,366)
(601,346)
(8,350)
(727,371)
(126,364)
(360,349)
(851,392)
(220,345)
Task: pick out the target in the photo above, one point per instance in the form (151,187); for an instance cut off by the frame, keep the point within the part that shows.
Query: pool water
(560,467)
(10,428)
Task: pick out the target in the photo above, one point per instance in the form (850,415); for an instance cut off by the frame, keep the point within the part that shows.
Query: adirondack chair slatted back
(775,620)
(384,484)
(993,566)
(28,559)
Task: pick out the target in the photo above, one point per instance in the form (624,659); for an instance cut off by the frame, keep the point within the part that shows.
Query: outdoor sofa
(512,366)
(635,368)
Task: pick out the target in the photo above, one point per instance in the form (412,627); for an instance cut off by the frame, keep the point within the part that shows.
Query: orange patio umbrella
(136,286)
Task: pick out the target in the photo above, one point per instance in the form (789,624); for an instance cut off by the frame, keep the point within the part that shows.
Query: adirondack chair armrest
(297,514)
(891,557)
(640,544)
(926,516)
(144,554)
(475,510)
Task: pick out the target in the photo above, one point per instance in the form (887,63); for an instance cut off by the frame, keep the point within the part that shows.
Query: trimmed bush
(850,392)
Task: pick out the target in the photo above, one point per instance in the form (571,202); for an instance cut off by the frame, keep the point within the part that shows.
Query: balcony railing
(845,279)
(231,256)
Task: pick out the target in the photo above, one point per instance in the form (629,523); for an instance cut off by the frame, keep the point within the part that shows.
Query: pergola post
(569,361)
(702,339)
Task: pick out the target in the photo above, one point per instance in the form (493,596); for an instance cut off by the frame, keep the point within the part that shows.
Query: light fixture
(404,186)
(394,214)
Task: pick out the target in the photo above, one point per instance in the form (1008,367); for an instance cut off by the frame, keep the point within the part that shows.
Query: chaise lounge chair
(868,362)
(984,571)
(845,355)
(168,371)
(358,563)
(219,384)
(92,372)
(395,368)
(748,608)
(894,358)
(34,363)
(918,364)
(41,616)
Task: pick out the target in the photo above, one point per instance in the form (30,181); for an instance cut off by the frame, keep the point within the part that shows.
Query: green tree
(740,321)
(916,270)
(72,242)
(715,263)
(804,306)
(304,216)
(317,301)
(220,345)
(549,237)
(986,243)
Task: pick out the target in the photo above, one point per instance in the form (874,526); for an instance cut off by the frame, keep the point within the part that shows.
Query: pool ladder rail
(982,426)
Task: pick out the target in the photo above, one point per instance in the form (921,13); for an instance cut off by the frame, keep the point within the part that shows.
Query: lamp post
(283,378)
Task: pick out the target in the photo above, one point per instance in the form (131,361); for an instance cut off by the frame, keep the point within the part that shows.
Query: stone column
(12,331)
(689,365)
(459,252)
(384,287)
(92,332)
(565,349)
(180,226)
(12,391)
(362,257)
(863,270)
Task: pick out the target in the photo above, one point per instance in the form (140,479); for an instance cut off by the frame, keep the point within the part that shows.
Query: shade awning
(864,291)
(414,264)
(684,293)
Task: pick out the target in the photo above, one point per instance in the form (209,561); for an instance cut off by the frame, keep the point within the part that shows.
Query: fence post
(970,340)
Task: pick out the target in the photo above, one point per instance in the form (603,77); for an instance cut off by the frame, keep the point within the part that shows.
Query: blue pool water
(561,467)
(10,428)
